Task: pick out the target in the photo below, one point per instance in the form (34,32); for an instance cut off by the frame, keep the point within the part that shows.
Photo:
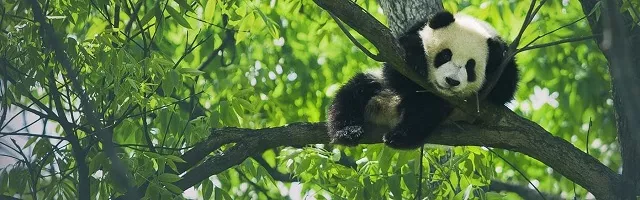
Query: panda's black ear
(441,19)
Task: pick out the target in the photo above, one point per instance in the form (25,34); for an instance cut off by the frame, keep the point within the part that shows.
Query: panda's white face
(457,56)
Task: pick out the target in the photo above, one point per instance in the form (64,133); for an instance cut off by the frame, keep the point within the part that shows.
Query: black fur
(421,112)
(346,113)
(414,52)
(506,86)
(471,70)
(441,19)
(442,57)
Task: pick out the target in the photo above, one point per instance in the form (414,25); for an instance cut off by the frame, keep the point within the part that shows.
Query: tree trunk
(402,14)
(617,38)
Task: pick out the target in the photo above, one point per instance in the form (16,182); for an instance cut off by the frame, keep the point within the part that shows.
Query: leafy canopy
(161,74)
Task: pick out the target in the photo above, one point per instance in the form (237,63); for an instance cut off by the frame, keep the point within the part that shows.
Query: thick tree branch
(512,133)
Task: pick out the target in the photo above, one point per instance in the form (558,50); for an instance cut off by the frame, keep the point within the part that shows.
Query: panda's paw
(401,140)
(349,135)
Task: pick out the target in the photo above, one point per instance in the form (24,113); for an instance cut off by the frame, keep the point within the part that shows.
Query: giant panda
(456,53)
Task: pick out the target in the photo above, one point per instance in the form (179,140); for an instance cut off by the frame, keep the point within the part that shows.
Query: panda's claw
(400,140)
(349,136)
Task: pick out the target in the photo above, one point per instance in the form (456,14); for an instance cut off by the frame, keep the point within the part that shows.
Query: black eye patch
(442,57)
(471,72)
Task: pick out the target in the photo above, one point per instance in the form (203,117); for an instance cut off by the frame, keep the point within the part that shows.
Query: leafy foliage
(162,74)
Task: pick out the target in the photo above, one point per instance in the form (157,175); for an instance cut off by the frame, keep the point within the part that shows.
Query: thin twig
(32,135)
(354,41)
(519,171)
(215,25)
(588,132)
(554,30)
(419,192)
(255,185)
(567,40)
(32,173)
(511,52)
(146,132)
(26,126)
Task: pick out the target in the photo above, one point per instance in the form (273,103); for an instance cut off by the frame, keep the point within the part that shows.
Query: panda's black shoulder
(398,82)
(411,43)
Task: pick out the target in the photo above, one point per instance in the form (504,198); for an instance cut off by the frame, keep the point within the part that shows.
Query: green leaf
(245,104)
(178,17)
(96,162)
(229,117)
(149,15)
(467,192)
(161,165)
(153,155)
(4,181)
(247,92)
(163,62)
(410,181)
(173,188)
(171,80)
(384,160)
(190,71)
(30,141)
(207,189)
(494,196)
(172,165)
(152,191)
(133,84)
(175,158)
(168,178)
(458,158)
(271,25)
(210,9)
(394,186)
(184,5)
(222,193)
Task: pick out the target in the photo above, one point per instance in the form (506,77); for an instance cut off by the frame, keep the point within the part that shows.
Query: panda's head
(457,50)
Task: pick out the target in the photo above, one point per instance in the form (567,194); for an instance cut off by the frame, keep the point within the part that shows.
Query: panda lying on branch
(456,53)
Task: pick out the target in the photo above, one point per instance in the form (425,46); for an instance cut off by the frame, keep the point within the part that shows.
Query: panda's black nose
(452,82)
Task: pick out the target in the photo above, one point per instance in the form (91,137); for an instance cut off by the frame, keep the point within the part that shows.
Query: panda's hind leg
(346,113)
(422,113)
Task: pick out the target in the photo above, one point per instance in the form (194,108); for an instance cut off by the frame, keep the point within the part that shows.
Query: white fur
(382,109)
(375,74)
(467,39)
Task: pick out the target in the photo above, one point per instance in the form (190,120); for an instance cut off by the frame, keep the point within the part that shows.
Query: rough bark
(513,133)
(401,14)
(618,38)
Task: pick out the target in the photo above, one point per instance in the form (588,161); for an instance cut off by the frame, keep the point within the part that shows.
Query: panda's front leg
(421,114)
